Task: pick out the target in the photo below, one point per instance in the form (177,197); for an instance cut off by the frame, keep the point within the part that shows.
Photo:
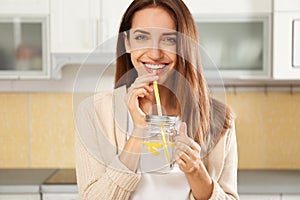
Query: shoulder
(101,100)
(87,107)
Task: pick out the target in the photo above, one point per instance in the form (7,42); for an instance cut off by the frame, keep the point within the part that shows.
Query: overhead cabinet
(24,7)
(286,40)
(237,47)
(80,26)
(231,6)
(74,25)
(24,46)
(235,37)
(111,15)
(24,41)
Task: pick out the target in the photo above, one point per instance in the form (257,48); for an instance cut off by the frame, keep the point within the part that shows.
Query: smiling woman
(152,48)
(157,46)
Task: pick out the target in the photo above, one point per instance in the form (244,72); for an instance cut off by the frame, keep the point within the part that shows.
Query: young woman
(157,42)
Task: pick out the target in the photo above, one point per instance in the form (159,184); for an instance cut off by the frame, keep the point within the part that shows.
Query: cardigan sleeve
(225,187)
(96,181)
(107,178)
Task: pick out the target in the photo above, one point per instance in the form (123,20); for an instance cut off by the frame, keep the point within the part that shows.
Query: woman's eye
(141,37)
(170,40)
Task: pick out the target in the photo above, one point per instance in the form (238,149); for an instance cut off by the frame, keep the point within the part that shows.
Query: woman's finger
(192,154)
(148,78)
(179,154)
(148,87)
(188,141)
(134,94)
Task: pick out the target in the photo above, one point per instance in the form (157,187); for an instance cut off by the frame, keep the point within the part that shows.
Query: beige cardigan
(101,123)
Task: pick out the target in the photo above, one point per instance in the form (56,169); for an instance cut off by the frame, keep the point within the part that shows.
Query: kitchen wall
(37,129)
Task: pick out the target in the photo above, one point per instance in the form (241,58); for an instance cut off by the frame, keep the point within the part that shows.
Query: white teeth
(152,66)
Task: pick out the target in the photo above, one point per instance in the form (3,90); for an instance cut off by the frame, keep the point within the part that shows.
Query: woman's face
(152,42)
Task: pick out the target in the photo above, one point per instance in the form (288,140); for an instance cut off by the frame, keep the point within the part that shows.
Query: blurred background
(253,53)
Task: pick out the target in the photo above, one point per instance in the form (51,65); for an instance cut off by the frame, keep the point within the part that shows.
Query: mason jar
(158,143)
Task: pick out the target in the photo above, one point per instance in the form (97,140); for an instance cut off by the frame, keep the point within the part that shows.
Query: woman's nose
(155,53)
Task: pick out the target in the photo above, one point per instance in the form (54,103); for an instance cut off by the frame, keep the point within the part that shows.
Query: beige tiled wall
(52,132)
(268,129)
(14,149)
(37,130)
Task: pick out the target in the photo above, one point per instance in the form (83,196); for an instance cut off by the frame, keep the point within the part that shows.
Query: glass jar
(158,143)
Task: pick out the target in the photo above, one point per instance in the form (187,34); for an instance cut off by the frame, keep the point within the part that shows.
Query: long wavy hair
(207,119)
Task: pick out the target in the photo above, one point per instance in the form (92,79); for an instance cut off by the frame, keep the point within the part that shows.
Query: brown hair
(206,117)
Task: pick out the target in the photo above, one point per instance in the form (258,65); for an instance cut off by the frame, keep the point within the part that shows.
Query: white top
(159,185)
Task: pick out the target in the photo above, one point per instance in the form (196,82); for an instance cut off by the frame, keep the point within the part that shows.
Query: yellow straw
(163,134)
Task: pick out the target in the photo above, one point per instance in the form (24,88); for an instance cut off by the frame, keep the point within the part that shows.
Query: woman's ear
(127,43)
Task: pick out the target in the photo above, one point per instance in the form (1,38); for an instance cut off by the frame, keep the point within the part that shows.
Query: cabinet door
(24,47)
(111,14)
(237,47)
(24,7)
(286,5)
(230,6)
(286,45)
(260,197)
(74,25)
(60,196)
(290,197)
(19,197)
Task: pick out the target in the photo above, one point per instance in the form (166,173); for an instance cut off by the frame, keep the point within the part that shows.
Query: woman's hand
(139,98)
(187,152)
(187,155)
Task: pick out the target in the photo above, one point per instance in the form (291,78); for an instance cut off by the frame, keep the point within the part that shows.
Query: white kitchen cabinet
(260,196)
(286,5)
(61,196)
(24,47)
(286,40)
(290,197)
(235,37)
(20,197)
(24,7)
(59,191)
(237,47)
(111,14)
(74,25)
(231,6)
(81,25)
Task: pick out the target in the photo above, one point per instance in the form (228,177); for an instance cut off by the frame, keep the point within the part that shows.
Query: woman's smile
(158,67)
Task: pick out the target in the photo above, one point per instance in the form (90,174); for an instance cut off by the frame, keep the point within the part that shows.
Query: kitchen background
(261,79)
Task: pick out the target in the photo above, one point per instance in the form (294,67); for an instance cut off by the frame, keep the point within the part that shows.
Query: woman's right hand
(140,97)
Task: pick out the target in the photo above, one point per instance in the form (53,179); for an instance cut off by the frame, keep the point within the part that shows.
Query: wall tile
(268,129)
(14,148)
(52,139)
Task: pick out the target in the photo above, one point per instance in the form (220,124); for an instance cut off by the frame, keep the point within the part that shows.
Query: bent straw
(157,98)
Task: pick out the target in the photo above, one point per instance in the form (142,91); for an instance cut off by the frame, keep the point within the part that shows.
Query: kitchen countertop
(269,181)
(23,180)
(37,180)
(64,180)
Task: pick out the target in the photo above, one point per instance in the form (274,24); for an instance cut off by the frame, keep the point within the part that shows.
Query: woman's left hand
(187,152)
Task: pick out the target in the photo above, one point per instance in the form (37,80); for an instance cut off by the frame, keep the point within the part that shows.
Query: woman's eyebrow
(170,33)
(141,31)
(148,33)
